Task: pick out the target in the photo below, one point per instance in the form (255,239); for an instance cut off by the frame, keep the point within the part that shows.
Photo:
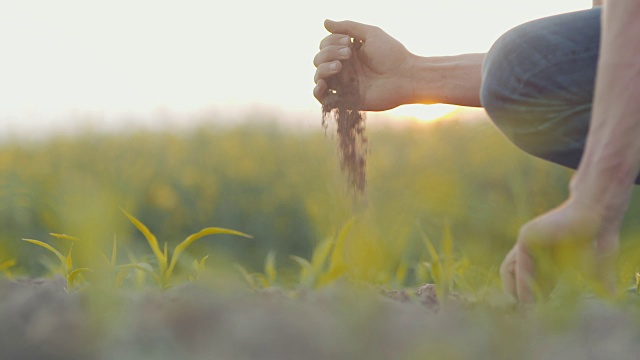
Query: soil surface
(39,319)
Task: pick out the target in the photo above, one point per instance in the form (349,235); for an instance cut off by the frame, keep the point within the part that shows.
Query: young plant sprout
(70,273)
(166,264)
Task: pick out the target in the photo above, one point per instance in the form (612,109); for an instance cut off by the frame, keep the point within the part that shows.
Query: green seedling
(166,264)
(442,268)
(312,271)
(122,271)
(254,280)
(198,267)
(337,265)
(258,280)
(327,262)
(270,268)
(6,265)
(401,273)
(66,237)
(450,273)
(69,272)
(140,276)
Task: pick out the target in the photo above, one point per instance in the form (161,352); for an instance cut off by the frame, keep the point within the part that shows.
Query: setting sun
(424,113)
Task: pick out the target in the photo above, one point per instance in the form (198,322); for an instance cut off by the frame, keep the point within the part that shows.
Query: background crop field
(282,187)
(445,202)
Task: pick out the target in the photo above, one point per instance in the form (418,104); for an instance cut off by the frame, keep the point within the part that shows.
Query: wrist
(452,80)
(606,201)
(604,186)
(427,77)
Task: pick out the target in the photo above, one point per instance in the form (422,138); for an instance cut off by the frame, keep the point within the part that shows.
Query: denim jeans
(538,83)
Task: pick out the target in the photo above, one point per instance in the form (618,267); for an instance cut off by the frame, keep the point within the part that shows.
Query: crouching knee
(502,95)
(515,97)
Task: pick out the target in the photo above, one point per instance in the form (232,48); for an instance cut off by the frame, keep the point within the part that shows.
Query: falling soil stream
(343,102)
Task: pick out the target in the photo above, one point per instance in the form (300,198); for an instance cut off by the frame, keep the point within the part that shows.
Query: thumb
(354,29)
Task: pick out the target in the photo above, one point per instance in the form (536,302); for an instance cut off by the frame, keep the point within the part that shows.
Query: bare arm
(389,75)
(611,160)
(449,80)
(589,221)
(597,2)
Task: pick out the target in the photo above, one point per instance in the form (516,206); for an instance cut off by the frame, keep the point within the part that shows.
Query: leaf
(139,275)
(264,282)
(304,263)
(447,250)
(337,265)
(64,236)
(72,275)
(153,242)
(106,259)
(435,264)
(337,255)
(191,238)
(422,272)
(270,266)
(203,261)
(320,255)
(306,274)
(198,265)
(433,254)
(464,285)
(401,273)
(69,263)
(245,275)
(121,275)
(139,266)
(124,270)
(435,271)
(334,273)
(61,257)
(166,250)
(7,264)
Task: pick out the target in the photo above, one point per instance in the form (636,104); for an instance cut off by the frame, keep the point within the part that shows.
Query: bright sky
(122,59)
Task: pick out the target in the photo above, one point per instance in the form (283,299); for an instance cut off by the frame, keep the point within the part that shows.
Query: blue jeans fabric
(538,83)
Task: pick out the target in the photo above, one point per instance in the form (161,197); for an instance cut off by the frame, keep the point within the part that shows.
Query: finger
(327,70)
(508,274)
(332,53)
(320,90)
(335,39)
(353,29)
(524,274)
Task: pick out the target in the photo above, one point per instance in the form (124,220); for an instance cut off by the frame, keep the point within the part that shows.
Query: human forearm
(597,2)
(611,160)
(449,80)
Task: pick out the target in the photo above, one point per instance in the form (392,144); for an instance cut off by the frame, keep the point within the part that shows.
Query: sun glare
(424,113)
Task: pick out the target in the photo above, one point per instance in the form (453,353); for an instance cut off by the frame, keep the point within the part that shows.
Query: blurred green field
(285,189)
(445,202)
(282,187)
